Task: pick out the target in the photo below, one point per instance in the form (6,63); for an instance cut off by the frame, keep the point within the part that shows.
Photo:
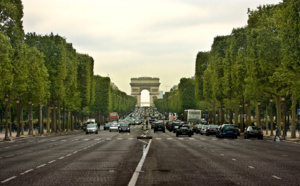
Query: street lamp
(258,104)
(284,121)
(30,117)
(6,99)
(241,124)
(271,114)
(246,105)
(18,116)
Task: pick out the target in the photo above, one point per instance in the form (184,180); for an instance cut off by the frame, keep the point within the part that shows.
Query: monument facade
(145,83)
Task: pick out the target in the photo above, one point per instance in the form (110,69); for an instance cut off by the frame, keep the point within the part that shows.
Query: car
(228,131)
(106,126)
(176,124)
(211,129)
(83,127)
(159,126)
(91,128)
(253,131)
(124,127)
(238,130)
(218,132)
(198,128)
(203,129)
(114,127)
(184,130)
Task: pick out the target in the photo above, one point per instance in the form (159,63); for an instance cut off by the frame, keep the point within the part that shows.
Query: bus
(192,116)
(113,116)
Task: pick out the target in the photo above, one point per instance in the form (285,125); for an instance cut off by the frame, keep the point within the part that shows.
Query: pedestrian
(277,134)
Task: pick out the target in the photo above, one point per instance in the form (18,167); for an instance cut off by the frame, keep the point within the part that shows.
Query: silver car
(91,128)
(203,129)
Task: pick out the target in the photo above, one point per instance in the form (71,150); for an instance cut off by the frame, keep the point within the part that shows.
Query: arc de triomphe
(145,83)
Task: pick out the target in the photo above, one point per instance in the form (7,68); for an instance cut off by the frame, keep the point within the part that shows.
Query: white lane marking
(130,138)
(7,147)
(53,140)
(108,138)
(233,159)
(138,169)
(276,177)
(86,139)
(41,166)
(169,138)
(52,161)
(119,138)
(68,155)
(61,158)
(63,140)
(192,138)
(75,152)
(214,139)
(9,155)
(180,138)
(158,138)
(222,154)
(97,139)
(26,171)
(143,141)
(8,179)
(251,167)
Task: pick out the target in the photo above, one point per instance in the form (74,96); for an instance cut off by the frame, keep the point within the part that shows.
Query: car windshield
(91,126)
(204,126)
(256,128)
(184,127)
(214,126)
(229,127)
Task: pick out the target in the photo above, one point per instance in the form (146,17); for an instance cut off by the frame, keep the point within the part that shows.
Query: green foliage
(202,61)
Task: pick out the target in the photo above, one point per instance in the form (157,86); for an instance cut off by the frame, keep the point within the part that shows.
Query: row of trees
(252,65)
(38,70)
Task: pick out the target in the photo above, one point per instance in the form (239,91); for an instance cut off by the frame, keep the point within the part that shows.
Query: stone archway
(145,83)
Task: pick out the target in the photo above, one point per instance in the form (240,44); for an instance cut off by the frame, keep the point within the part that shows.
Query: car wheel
(87,133)
(262,138)
(207,134)
(244,136)
(200,133)
(190,135)
(176,135)
(235,137)
(96,132)
(221,136)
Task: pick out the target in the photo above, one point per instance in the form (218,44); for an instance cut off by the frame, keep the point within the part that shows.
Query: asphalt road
(111,158)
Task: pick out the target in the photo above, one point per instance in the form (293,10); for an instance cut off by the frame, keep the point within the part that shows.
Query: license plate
(184,133)
(255,131)
(229,131)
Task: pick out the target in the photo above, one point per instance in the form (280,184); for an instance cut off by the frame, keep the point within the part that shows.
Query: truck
(113,116)
(192,116)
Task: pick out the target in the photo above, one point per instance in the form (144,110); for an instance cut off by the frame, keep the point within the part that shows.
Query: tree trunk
(21,119)
(278,110)
(236,117)
(294,103)
(41,127)
(48,117)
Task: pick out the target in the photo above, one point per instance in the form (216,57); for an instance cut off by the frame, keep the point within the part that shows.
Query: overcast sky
(137,38)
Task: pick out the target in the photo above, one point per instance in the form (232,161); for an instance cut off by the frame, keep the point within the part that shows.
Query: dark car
(159,126)
(253,131)
(176,124)
(238,130)
(197,128)
(124,127)
(218,131)
(184,130)
(228,131)
(211,129)
(106,126)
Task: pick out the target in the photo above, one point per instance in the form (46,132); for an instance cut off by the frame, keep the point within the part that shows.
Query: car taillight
(250,130)
(178,130)
(210,129)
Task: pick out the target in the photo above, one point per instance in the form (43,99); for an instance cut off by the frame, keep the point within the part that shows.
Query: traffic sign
(298,112)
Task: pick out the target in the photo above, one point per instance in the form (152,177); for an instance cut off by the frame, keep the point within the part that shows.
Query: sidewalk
(288,136)
(35,134)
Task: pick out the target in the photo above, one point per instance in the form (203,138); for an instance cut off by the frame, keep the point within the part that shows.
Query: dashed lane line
(8,179)
(40,166)
(26,171)
(52,161)
(251,167)
(61,158)
(276,177)
(233,159)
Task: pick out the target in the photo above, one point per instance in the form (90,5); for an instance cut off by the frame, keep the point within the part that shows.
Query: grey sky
(135,38)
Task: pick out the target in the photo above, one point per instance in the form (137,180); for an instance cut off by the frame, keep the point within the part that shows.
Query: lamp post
(271,114)
(246,105)
(18,116)
(284,121)
(241,124)
(258,117)
(6,100)
(30,117)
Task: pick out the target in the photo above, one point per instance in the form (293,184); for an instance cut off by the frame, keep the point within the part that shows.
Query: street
(111,158)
